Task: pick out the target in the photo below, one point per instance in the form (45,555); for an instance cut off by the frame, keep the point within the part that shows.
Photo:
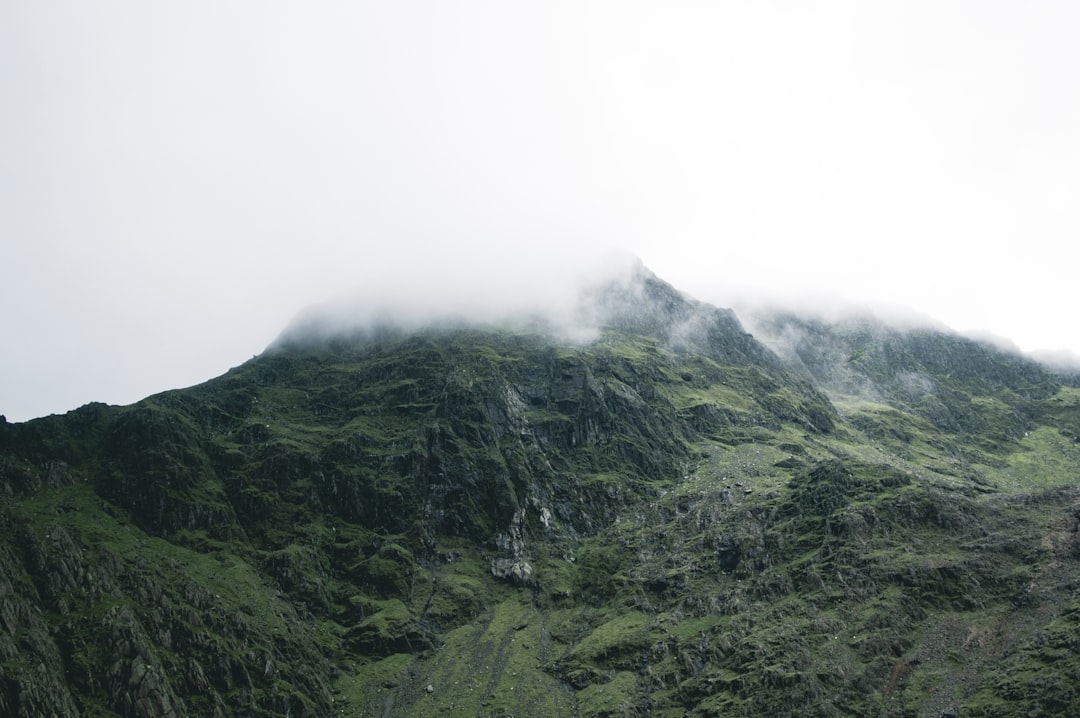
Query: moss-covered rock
(666,519)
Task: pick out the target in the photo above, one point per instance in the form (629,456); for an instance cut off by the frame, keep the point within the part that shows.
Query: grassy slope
(315,533)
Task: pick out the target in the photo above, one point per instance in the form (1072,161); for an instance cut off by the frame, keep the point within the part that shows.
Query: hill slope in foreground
(667,519)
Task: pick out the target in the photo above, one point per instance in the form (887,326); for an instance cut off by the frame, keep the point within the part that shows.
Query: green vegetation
(668,520)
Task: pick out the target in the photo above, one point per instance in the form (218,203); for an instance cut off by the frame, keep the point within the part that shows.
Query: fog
(178,181)
(552,292)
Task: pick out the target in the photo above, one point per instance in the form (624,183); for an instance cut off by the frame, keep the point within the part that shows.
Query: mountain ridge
(660,516)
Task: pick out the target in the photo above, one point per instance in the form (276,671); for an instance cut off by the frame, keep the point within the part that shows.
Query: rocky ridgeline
(666,518)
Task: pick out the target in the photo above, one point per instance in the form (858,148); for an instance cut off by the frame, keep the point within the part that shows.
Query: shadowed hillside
(660,516)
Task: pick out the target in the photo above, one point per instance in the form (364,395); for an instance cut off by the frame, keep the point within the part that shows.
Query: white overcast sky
(178,179)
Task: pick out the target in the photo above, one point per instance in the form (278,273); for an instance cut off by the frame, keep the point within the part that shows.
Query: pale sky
(178,180)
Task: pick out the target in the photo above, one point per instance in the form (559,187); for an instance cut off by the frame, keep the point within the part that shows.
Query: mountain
(655,513)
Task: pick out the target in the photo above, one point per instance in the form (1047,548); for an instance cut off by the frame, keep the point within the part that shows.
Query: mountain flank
(655,513)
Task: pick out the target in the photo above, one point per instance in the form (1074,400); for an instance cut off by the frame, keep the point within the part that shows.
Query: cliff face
(664,518)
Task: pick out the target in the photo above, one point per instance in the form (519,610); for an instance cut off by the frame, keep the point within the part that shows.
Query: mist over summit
(571,299)
(532,288)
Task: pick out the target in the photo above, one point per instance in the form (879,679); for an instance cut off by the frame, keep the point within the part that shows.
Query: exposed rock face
(666,518)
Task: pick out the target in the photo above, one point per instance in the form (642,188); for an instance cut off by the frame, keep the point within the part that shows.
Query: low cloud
(547,290)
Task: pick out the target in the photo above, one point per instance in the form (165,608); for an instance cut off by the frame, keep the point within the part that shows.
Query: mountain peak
(574,305)
(662,517)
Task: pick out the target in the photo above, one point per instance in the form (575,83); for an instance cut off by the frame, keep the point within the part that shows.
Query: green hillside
(665,519)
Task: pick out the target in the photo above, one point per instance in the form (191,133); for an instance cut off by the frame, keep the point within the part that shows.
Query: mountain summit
(620,295)
(623,504)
